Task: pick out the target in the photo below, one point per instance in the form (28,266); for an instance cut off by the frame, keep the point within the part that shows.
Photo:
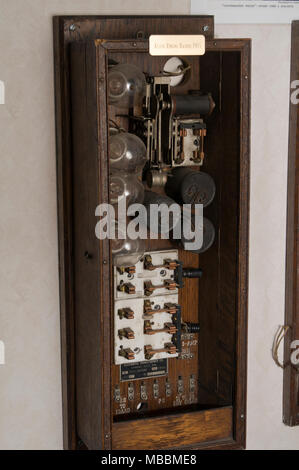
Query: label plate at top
(176,44)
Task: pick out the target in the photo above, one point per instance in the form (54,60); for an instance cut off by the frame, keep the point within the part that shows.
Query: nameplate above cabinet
(177,44)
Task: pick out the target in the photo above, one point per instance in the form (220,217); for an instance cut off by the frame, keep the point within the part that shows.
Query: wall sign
(248,11)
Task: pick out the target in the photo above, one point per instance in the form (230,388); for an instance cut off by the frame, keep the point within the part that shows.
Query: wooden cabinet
(196,401)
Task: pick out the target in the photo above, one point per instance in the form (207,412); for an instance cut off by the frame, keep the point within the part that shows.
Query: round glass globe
(208,234)
(126,86)
(125,251)
(127,152)
(125,186)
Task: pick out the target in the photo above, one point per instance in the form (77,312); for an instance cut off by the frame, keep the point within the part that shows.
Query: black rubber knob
(192,273)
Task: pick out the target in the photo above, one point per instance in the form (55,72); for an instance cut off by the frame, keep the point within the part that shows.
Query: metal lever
(168,264)
(149,352)
(176,266)
(168,328)
(168,308)
(149,288)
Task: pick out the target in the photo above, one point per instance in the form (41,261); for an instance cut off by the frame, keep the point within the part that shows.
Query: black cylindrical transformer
(194,103)
(187,186)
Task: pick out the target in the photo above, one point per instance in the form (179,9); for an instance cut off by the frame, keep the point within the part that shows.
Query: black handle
(192,273)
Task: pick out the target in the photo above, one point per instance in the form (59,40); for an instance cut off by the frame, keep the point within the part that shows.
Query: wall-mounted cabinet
(154,351)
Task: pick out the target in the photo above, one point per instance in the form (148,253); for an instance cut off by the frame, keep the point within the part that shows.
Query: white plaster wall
(30,386)
(269,149)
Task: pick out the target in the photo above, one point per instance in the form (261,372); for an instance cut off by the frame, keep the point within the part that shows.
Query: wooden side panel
(210,78)
(182,430)
(227,141)
(86,277)
(243,247)
(218,313)
(229,222)
(91,257)
(291,373)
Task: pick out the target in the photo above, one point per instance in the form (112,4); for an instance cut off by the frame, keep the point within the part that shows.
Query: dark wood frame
(291,373)
(95,27)
(67,29)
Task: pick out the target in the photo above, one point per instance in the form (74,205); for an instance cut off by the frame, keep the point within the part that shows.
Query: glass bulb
(127,152)
(208,235)
(159,200)
(126,86)
(125,251)
(125,186)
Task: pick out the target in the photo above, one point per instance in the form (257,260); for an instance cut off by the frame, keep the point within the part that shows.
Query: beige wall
(269,147)
(30,395)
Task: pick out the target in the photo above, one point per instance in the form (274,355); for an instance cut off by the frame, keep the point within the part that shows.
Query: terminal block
(127,353)
(138,317)
(156,268)
(127,287)
(129,270)
(158,275)
(131,391)
(126,333)
(126,313)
